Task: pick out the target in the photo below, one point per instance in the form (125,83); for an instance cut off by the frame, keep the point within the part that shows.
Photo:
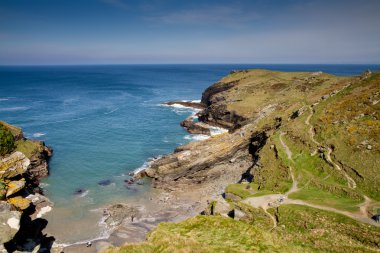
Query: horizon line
(135,64)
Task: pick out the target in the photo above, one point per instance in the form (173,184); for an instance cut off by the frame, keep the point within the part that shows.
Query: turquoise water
(106,121)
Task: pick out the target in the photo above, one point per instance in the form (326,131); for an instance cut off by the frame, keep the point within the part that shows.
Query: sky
(44,32)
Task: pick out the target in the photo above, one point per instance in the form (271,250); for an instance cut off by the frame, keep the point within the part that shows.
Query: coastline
(163,205)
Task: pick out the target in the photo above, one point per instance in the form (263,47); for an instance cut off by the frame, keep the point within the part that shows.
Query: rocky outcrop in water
(195,127)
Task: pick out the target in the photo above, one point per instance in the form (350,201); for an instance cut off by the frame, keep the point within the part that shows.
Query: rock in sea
(105,182)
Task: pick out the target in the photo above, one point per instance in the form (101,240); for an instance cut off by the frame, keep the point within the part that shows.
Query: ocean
(104,122)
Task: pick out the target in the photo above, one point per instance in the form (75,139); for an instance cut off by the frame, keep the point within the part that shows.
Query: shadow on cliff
(30,234)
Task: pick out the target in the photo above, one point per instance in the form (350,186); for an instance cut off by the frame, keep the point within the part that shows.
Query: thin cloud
(214,15)
(117,3)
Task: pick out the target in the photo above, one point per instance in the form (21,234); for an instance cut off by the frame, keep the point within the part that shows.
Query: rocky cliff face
(205,160)
(216,111)
(20,170)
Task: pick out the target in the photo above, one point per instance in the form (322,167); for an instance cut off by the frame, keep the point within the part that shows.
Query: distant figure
(88,244)
(376,217)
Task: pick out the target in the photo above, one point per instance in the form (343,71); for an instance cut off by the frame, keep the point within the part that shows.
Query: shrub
(7,141)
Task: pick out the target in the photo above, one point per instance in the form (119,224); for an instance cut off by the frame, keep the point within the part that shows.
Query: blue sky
(160,31)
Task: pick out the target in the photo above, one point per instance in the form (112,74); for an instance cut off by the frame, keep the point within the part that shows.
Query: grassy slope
(349,121)
(301,229)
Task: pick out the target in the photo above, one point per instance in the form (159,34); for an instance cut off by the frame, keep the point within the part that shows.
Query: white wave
(4,99)
(196,137)
(16,108)
(217,130)
(36,135)
(114,110)
(179,106)
(84,194)
(195,101)
(146,164)
(43,185)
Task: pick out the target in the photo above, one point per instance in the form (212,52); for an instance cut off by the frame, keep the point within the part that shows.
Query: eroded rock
(14,187)
(13,165)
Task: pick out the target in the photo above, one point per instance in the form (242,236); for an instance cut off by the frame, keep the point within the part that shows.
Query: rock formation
(21,167)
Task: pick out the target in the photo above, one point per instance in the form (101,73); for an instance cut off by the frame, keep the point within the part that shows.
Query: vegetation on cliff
(7,141)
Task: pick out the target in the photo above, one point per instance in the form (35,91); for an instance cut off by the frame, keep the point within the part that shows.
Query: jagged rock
(195,127)
(238,214)
(38,156)
(205,160)
(222,207)
(9,222)
(15,164)
(19,202)
(14,187)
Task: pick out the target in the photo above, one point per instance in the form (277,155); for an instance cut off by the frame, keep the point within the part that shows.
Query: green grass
(324,231)
(316,196)
(206,234)
(300,229)
(272,176)
(242,190)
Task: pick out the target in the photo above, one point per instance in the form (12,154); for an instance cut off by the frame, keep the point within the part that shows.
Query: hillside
(299,167)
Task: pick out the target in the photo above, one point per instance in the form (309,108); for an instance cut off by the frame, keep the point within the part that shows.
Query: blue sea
(106,121)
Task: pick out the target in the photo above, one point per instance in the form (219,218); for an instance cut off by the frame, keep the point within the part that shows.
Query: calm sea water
(106,121)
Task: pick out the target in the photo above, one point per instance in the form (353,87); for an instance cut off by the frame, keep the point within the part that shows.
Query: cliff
(299,166)
(22,163)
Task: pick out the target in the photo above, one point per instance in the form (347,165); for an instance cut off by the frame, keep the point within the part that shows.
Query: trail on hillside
(288,152)
(358,217)
(351,183)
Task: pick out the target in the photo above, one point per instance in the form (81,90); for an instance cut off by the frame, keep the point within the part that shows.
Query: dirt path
(351,183)
(288,152)
(365,205)
(358,217)
(311,128)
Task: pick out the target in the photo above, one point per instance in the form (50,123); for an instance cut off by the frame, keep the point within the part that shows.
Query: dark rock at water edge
(105,182)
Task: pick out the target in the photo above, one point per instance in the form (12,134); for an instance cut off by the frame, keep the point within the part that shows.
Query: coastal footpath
(297,171)
(23,163)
